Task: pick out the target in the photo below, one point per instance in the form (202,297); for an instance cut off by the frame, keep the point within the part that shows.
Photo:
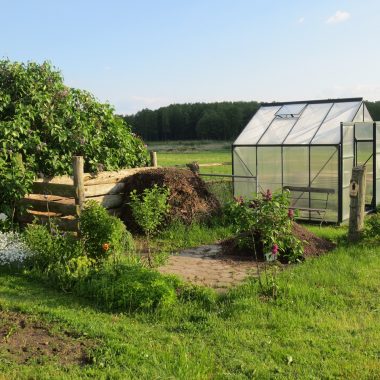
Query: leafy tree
(45,123)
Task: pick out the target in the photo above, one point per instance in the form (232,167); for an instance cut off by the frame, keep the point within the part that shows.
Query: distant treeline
(215,121)
(199,121)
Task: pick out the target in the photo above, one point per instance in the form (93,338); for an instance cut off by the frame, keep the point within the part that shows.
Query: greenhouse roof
(302,122)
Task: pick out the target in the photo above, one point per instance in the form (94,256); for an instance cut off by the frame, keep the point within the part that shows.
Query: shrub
(372,226)
(103,235)
(47,123)
(265,224)
(128,288)
(56,257)
(16,179)
(149,210)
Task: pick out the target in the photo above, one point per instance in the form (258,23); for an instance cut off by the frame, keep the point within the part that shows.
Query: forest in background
(201,121)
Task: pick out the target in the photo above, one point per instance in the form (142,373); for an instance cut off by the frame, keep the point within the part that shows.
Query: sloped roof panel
(308,124)
(257,126)
(329,132)
(277,131)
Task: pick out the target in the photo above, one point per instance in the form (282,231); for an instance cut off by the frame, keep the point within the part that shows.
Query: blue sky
(150,53)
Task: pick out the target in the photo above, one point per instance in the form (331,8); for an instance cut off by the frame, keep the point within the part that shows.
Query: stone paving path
(205,265)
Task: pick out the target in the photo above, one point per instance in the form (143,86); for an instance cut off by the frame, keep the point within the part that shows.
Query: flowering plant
(12,249)
(268,221)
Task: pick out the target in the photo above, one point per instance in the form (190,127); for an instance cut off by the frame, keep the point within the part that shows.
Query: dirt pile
(313,245)
(189,198)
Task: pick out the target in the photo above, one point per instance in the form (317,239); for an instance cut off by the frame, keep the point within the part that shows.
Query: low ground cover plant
(264,225)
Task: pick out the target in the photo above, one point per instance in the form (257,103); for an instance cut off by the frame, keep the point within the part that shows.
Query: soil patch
(313,245)
(24,339)
(189,198)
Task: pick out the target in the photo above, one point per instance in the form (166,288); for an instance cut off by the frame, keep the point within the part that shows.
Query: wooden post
(78,170)
(153,159)
(357,202)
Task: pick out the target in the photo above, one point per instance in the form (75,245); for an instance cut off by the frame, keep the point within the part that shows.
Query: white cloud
(301,20)
(339,16)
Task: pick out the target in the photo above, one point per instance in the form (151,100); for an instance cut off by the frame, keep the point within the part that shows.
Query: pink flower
(268,195)
(291,213)
(274,249)
(239,200)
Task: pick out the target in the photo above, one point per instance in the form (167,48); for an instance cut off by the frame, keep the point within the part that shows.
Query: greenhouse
(309,148)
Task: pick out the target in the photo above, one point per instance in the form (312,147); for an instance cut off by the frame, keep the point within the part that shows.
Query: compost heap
(189,197)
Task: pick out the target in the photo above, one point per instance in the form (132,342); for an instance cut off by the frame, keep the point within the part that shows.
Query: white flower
(12,249)
(3,217)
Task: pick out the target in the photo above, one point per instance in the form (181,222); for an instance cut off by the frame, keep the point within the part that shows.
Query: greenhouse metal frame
(311,148)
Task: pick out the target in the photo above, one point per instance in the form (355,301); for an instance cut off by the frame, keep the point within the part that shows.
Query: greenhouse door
(364,155)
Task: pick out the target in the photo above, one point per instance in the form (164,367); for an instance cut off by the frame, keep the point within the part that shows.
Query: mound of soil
(23,339)
(313,245)
(189,198)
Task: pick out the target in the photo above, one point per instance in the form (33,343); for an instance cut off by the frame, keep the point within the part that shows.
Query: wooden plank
(104,189)
(109,201)
(305,189)
(112,177)
(62,207)
(67,223)
(58,189)
(62,180)
(153,159)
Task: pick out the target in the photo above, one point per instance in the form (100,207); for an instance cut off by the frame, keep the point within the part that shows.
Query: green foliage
(149,210)
(266,220)
(48,123)
(103,235)
(16,180)
(150,207)
(56,257)
(372,227)
(128,288)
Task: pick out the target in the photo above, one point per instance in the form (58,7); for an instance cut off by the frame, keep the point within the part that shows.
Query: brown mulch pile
(189,198)
(313,245)
(24,339)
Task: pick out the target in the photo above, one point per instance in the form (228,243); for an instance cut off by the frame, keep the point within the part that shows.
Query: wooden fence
(62,198)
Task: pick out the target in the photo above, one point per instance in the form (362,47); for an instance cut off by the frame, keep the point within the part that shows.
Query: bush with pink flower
(264,225)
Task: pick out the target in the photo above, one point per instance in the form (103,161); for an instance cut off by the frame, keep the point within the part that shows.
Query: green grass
(325,324)
(180,153)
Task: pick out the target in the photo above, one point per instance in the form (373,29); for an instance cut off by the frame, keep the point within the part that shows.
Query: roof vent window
(289,111)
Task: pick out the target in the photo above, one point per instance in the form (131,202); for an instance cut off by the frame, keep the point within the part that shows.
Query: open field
(324,324)
(180,153)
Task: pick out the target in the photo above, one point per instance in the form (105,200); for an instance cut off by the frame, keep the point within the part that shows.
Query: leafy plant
(128,287)
(266,222)
(55,256)
(372,226)
(149,210)
(103,235)
(16,180)
(46,123)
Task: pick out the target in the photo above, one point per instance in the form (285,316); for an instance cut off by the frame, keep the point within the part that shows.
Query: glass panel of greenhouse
(309,149)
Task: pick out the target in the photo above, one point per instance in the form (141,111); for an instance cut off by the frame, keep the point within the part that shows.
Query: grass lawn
(325,324)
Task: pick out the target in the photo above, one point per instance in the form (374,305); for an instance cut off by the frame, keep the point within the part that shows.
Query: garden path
(205,265)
